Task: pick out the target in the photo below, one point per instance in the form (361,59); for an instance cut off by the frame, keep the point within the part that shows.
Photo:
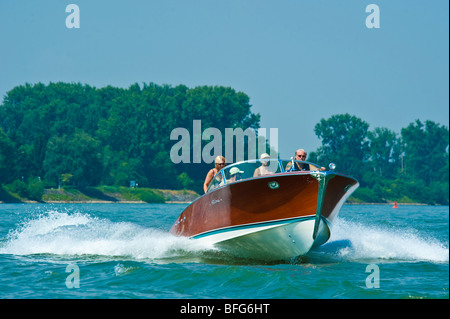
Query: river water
(125,251)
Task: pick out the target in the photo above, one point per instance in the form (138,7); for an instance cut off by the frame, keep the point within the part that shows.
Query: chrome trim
(322,178)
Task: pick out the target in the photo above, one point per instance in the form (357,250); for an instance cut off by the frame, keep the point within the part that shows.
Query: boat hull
(271,217)
(270,241)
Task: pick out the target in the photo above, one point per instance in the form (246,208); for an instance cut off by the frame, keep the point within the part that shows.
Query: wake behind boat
(261,209)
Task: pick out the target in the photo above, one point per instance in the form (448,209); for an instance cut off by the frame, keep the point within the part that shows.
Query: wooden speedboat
(259,209)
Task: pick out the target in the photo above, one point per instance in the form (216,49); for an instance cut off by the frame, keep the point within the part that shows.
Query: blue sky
(298,60)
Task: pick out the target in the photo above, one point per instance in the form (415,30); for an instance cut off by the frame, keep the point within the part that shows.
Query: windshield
(257,168)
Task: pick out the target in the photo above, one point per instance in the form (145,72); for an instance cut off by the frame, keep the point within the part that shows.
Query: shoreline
(176,202)
(103,195)
(93,202)
(125,195)
(399,204)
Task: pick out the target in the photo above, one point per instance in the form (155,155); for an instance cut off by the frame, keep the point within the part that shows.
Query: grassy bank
(101,194)
(17,193)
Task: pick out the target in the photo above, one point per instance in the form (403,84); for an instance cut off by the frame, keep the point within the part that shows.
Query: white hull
(270,241)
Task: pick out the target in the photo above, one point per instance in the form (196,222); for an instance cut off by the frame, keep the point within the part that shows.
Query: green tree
(111,135)
(7,155)
(384,152)
(58,160)
(426,155)
(184,181)
(35,189)
(78,155)
(344,142)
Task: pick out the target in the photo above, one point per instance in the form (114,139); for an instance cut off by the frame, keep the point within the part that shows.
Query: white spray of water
(77,233)
(362,242)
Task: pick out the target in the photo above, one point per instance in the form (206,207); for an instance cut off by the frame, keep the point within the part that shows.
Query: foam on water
(75,233)
(354,241)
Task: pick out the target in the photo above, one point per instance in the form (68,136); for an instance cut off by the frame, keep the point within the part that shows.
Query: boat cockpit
(256,168)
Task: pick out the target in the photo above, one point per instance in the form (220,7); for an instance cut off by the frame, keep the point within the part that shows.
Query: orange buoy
(395,205)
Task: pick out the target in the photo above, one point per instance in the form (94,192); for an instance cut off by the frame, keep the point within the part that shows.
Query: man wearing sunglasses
(300,155)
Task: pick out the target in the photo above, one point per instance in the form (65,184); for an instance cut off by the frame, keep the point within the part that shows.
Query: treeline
(78,135)
(412,166)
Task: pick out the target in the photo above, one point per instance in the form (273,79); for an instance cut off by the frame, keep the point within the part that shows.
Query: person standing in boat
(219,163)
